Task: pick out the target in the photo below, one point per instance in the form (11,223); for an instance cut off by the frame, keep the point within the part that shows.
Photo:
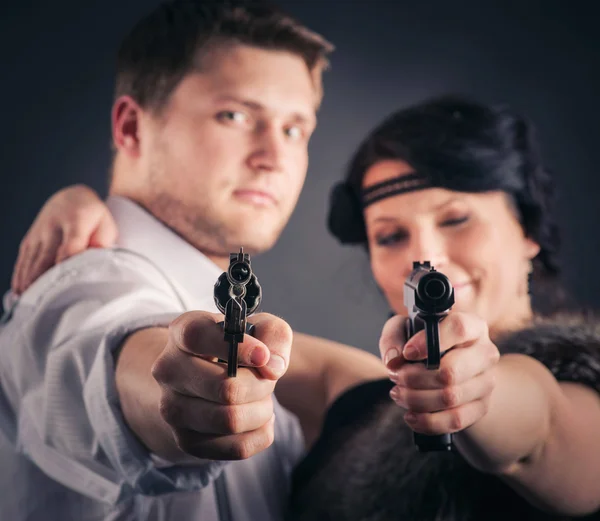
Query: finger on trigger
(392,338)
(196,377)
(200,334)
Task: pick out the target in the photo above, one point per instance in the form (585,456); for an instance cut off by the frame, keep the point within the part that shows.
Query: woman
(461,185)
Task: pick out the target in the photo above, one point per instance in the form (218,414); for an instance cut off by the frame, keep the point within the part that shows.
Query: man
(112,405)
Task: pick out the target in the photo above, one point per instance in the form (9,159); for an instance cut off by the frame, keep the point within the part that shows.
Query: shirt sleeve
(57,373)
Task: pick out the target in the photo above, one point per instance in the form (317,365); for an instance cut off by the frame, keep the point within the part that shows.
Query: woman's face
(474,239)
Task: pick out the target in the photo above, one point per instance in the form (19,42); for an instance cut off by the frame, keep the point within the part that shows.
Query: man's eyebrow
(298,117)
(254,105)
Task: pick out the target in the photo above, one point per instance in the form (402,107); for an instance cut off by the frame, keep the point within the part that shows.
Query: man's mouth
(256,197)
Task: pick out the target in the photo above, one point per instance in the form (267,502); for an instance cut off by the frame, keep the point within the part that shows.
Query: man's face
(226,158)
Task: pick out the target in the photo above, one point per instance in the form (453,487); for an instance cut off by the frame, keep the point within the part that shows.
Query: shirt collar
(193,274)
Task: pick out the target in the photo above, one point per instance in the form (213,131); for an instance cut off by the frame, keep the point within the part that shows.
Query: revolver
(428,297)
(237,295)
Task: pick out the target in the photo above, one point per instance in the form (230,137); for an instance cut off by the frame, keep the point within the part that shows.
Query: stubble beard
(195,223)
(198,226)
(201,223)
(192,223)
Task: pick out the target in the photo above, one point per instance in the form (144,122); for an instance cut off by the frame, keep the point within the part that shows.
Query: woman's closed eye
(398,236)
(390,239)
(455,221)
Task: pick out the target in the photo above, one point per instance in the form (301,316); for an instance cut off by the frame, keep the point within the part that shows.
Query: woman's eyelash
(392,238)
(455,222)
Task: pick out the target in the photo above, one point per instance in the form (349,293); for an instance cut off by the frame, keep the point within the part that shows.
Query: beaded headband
(394,186)
(345,220)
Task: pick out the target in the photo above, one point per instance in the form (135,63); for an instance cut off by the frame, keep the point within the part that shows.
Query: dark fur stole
(365,467)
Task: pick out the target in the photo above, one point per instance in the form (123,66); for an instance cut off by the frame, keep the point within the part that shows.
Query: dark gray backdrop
(540,56)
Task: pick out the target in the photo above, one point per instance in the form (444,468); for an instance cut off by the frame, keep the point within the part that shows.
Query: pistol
(428,297)
(237,295)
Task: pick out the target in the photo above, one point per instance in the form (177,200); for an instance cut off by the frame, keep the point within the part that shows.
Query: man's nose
(267,150)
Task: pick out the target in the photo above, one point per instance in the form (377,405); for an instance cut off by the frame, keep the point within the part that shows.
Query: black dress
(364,467)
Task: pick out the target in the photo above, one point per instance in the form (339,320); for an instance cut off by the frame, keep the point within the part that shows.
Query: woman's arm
(510,415)
(541,436)
(72,220)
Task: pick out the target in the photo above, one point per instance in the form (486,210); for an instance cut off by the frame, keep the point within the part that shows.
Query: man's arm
(181,403)
(57,372)
(75,218)
(58,368)
(320,371)
(139,393)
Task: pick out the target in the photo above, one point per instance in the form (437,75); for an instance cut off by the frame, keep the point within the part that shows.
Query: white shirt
(66,452)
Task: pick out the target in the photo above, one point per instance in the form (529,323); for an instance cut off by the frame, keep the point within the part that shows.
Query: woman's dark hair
(463,146)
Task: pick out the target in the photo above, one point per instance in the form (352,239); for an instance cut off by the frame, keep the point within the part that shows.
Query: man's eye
(232,115)
(293,132)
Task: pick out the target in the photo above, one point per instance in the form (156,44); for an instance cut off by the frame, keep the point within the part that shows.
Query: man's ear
(125,119)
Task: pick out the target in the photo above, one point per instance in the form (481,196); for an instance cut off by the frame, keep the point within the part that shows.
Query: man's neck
(219,259)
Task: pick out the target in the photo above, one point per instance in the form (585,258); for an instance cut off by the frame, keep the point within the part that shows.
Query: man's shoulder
(94,289)
(97,269)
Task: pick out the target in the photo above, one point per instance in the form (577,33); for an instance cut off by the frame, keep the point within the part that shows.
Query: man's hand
(212,416)
(456,395)
(71,221)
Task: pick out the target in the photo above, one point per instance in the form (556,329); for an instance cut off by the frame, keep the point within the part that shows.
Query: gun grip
(233,348)
(249,327)
(432,334)
(425,442)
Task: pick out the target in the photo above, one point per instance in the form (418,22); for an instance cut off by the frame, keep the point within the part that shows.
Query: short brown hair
(164,46)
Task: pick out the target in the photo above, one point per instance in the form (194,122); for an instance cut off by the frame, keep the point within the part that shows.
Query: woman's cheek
(387,280)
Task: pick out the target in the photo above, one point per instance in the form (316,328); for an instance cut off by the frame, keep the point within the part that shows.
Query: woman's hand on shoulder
(71,221)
